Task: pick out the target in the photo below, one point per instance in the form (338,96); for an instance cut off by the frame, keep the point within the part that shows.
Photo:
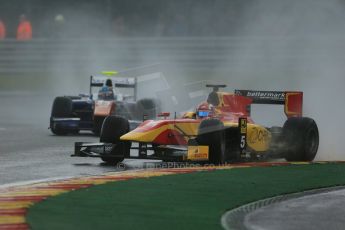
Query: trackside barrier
(45,55)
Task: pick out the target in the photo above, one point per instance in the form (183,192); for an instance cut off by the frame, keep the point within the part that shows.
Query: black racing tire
(62,107)
(112,129)
(75,131)
(74,97)
(113,160)
(97,125)
(148,107)
(59,131)
(301,139)
(211,132)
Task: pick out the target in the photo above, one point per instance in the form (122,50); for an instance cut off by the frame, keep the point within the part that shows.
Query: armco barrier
(44,55)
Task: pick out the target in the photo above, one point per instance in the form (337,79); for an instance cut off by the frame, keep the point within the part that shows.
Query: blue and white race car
(70,114)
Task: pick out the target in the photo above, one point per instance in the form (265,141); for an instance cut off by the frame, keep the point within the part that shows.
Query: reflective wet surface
(29,151)
(318,211)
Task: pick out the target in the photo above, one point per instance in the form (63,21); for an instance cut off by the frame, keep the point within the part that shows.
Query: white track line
(30,182)
(52,179)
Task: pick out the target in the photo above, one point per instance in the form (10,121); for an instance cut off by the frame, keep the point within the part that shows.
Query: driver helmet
(203,110)
(109,83)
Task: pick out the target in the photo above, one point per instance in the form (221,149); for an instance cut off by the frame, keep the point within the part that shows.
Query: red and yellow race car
(219,130)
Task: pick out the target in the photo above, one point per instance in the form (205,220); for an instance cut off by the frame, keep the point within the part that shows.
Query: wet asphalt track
(324,210)
(317,209)
(29,151)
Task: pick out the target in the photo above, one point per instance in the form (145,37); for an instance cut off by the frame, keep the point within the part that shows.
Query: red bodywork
(231,107)
(104,108)
(293,104)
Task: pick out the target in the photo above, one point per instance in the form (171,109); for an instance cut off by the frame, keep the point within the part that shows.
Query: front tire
(112,129)
(211,132)
(62,108)
(301,138)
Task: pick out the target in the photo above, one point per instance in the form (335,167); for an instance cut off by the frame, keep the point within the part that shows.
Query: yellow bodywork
(190,115)
(258,137)
(197,153)
(155,128)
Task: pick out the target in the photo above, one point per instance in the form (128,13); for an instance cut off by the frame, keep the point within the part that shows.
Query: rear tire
(211,132)
(301,138)
(62,108)
(148,107)
(112,129)
(97,125)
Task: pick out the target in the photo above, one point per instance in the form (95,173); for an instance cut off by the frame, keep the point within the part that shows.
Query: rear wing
(119,82)
(292,100)
(215,87)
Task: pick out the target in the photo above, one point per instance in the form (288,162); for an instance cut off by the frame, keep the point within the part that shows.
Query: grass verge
(184,201)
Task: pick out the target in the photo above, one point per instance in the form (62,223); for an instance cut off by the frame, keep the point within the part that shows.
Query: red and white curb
(15,200)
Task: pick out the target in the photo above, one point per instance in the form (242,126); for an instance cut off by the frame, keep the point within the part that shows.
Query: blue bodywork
(81,119)
(73,113)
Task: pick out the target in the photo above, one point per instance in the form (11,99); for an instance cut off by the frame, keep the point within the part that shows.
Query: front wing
(192,152)
(165,153)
